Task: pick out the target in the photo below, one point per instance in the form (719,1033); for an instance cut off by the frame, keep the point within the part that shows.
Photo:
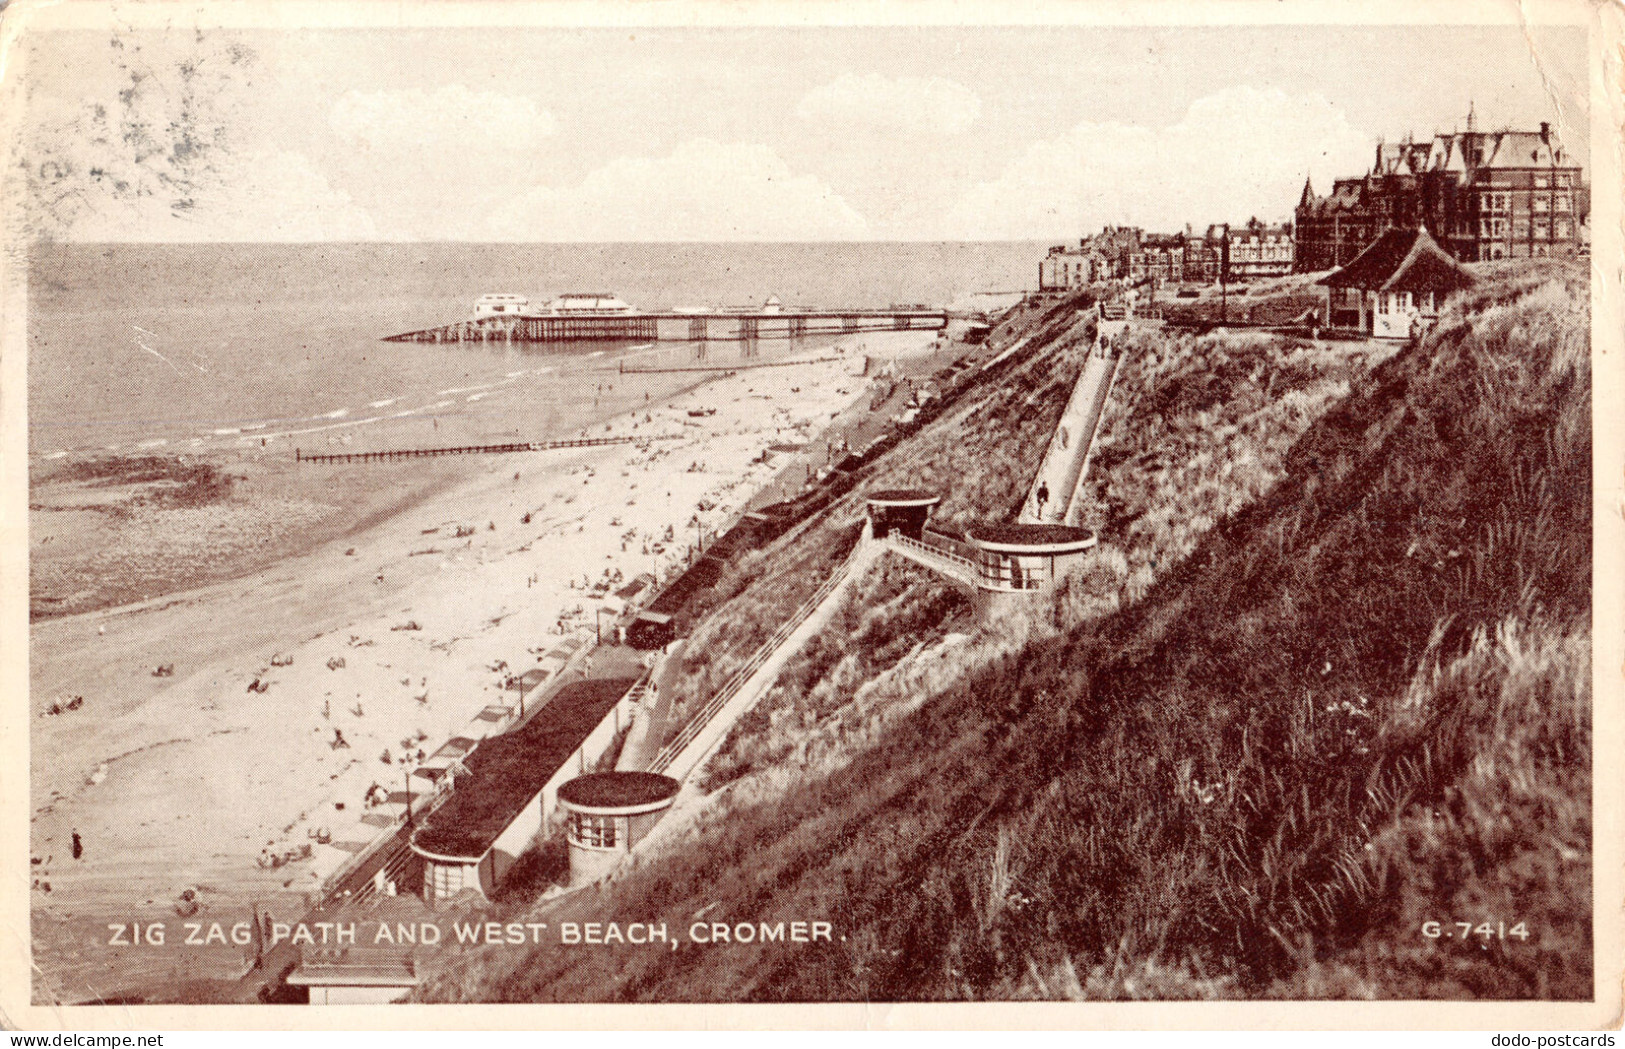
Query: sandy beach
(396,633)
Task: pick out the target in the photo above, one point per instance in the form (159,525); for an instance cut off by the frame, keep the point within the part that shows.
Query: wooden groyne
(391,455)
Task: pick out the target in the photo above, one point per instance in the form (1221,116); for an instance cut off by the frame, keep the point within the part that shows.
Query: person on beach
(339,742)
(78,846)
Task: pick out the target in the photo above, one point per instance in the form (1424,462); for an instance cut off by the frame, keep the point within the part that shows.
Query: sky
(766,134)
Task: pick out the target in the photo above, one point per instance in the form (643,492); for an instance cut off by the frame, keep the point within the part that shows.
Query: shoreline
(271,478)
(180,759)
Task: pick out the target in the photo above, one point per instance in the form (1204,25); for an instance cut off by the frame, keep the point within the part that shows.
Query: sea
(167,348)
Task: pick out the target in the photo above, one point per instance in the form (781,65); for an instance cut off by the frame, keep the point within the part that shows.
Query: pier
(674,326)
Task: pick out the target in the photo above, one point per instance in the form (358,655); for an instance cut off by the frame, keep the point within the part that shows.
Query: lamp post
(407,773)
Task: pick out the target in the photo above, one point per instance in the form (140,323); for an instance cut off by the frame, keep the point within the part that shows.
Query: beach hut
(510,789)
(1395,287)
(353,975)
(651,630)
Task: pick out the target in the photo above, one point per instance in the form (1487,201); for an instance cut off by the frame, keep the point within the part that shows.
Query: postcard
(811,506)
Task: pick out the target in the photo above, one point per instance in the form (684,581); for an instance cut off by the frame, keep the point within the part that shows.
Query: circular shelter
(905,510)
(1017,558)
(607,813)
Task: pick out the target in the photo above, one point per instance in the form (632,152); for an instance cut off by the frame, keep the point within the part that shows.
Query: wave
(464,389)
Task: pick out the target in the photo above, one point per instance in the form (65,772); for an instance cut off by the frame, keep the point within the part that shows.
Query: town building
(1232,253)
(1161,257)
(1257,250)
(1067,267)
(1395,287)
(1483,194)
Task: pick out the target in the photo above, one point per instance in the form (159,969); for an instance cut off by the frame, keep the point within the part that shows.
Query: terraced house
(1481,194)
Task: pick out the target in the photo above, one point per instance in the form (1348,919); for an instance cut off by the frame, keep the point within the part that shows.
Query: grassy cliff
(1327,681)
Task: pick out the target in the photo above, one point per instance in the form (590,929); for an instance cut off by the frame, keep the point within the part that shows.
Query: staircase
(1066,461)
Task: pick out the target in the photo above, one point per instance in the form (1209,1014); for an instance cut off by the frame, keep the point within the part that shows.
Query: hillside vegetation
(1327,681)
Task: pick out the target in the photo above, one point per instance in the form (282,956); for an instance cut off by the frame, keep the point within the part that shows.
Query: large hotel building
(1481,194)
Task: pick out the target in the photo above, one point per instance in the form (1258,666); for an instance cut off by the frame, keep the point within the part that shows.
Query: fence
(934,557)
(669,753)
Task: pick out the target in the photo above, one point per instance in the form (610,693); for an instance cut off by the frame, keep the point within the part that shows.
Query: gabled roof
(1402,260)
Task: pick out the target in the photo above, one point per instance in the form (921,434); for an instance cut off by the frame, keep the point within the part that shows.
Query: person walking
(78,845)
(1043,496)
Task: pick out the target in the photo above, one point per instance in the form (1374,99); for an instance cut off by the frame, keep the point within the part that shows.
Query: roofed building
(1067,267)
(1485,194)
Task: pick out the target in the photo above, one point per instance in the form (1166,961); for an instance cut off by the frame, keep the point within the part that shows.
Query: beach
(390,620)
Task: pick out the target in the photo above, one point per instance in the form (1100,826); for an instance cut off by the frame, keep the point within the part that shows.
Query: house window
(1543,230)
(1562,182)
(593,832)
(1404,301)
(1563,230)
(1427,302)
(1542,181)
(1542,205)
(1560,203)
(1382,304)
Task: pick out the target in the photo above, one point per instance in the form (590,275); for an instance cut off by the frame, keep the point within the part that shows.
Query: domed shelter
(905,510)
(1019,558)
(606,814)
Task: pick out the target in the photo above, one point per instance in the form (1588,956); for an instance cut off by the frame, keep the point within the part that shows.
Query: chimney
(1546,132)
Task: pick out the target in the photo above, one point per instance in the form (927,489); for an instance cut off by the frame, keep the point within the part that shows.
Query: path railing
(668,753)
(935,558)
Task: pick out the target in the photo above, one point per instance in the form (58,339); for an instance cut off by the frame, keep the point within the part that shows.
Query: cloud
(476,123)
(704,190)
(263,196)
(1234,154)
(926,105)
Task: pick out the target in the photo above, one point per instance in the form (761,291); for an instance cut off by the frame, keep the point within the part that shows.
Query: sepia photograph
(697,505)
